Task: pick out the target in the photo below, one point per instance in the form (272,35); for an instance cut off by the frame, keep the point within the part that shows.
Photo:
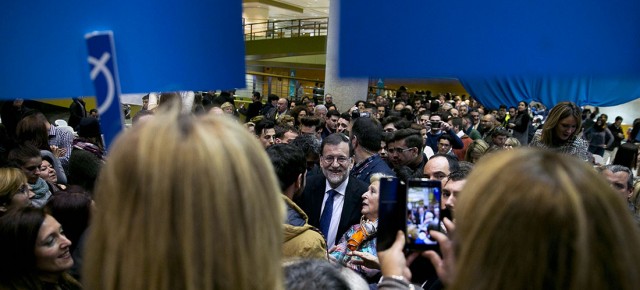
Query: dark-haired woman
(599,137)
(34,252)
(520,124)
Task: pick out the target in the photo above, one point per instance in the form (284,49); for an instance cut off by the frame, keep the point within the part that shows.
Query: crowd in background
(284,194)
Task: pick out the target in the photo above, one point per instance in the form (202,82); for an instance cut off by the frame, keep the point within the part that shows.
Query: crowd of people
(285,195)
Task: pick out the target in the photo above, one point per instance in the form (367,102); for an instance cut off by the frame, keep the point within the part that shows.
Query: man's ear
(300,181)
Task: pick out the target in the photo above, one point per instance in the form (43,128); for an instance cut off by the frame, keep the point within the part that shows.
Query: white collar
(341,189)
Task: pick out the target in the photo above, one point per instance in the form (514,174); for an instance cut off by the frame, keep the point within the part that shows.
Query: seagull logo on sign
(100,67)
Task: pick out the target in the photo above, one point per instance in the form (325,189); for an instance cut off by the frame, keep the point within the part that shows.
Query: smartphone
(391,211)
(422,213)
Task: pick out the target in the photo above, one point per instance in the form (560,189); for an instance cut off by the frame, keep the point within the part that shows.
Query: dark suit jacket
(311,202)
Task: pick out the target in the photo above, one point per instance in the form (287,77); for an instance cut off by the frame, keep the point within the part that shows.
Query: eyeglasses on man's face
(342,160)
(398,150)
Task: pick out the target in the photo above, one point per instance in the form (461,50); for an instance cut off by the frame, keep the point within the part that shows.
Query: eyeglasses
(398,150)
(330,159)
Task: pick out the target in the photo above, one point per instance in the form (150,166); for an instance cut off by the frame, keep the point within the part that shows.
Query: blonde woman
(186,203)
(476,150)
(14,190)
(549,222)
(357,247)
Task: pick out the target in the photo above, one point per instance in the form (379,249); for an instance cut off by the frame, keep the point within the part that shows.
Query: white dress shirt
(338,203)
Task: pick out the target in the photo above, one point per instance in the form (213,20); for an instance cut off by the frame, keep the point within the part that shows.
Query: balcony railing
(286,28)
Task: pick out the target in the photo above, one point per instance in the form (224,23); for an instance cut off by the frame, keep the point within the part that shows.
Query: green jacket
(301,240)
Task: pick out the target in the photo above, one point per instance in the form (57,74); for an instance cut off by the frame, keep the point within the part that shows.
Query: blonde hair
(283,120)
(549,222)
(377,177)
(186,202)
(513,142)
(11,180)
(561,111)
(478,146)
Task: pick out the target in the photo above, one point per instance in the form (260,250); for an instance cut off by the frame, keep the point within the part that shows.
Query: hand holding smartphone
(413,208)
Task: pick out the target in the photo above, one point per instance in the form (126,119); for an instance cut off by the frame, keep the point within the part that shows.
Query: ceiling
(290,9)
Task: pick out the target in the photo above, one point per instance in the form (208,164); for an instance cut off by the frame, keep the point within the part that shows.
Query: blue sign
(162,45)
(104,74)
(471,38)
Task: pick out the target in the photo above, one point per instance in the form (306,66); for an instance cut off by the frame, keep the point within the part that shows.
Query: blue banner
(162,45)
(601,92)
(104,74)
(470,38)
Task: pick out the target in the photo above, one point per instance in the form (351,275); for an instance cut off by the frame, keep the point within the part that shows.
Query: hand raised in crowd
(366,259)
(58,152)
(444,126)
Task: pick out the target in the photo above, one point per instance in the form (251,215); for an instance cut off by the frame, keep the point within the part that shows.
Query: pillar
(345,91)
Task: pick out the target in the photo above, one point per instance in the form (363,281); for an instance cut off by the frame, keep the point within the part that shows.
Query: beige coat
(302,241)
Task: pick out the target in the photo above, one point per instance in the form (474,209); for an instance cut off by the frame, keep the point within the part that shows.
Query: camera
(435,124)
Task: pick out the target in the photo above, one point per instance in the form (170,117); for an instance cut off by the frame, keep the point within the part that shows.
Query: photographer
(439,127)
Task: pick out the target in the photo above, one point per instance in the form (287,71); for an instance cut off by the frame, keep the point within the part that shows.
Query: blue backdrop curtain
(492,92)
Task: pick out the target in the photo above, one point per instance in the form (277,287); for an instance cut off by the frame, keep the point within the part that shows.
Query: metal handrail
(286,28)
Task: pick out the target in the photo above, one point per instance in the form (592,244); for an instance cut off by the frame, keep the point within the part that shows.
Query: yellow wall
(90,102)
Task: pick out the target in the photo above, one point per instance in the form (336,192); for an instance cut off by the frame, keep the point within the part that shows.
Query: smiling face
(343,124)
(566,128)
(370,201)
(47,172)
(335,163)
(52,249)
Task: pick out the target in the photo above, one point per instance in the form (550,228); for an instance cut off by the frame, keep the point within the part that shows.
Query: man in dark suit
(254,107)
(333,200)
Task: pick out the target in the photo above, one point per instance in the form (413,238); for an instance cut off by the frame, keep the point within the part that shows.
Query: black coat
(310,201)
(77,111)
